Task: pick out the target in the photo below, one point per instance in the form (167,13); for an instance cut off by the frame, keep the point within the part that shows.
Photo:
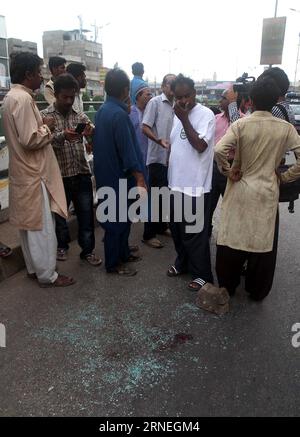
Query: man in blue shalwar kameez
(117,157)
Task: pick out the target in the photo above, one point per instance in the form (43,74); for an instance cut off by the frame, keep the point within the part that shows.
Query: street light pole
(298,52)
(297,62)
(170,51)
(276,8)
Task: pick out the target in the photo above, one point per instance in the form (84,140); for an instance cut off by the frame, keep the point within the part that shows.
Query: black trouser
(193,250)
(158,177)
(260,268)
(79,190)
(219,182)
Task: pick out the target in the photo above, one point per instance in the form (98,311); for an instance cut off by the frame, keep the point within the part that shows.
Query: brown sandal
(154,243)
(134,249)
(124,271)
(61,281)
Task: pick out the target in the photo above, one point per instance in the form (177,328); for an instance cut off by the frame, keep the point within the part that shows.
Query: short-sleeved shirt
(70,156)
(159,115)
(49,92)
(116,150)
(190,172)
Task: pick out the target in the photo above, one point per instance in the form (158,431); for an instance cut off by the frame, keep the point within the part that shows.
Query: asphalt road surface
(112,346)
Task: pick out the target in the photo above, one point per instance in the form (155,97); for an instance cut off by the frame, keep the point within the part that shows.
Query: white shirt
(190,172)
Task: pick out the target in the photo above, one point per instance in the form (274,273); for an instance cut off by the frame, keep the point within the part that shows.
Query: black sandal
(134,259)
(173,272)
(196,284)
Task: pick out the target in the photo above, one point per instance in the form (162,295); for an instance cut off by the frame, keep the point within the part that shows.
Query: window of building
(3,48)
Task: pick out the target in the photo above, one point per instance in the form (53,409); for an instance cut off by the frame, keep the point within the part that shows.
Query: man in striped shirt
(75,170)
(281,109)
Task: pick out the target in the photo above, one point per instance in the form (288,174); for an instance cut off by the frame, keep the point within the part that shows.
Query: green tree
(86,97)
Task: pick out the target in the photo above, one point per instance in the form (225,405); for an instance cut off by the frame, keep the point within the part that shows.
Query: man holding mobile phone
(71,126)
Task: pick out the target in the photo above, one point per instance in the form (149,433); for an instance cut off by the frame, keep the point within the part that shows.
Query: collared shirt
(279,113)
(78,103)
(116,151)
(31,161)
(49,92)
(190,172)
(222,124)
(136,117)
(250,206)
(159,115)
(70,156)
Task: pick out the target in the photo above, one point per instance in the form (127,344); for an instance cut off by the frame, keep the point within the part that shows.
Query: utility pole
(170,51)
(80,26)
(97,29)
(276,8)
(275,16)
(298,53)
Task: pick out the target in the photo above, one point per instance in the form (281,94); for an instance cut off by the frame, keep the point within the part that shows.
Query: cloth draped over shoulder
(250,206)
(31,161)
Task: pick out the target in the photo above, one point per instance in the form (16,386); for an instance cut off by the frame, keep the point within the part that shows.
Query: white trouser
(39,247)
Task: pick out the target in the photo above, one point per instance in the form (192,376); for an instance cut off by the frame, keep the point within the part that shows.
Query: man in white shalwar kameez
(36,190)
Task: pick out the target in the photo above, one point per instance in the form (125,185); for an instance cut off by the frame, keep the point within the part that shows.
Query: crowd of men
(167,141)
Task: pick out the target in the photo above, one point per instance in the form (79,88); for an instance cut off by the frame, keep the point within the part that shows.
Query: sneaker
(93,260)
(61,255)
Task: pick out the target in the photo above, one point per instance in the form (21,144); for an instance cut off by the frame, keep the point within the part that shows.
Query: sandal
(123,271)
(61,281)
(32,276)
(154,243)
(173,272)
(134,249)
(93,260)
(134,259)
(196,284)
(5,251)
(62,255)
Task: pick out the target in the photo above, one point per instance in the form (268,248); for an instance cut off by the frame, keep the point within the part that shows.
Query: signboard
(273,41)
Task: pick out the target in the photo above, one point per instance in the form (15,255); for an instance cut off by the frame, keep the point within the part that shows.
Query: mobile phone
(80,128)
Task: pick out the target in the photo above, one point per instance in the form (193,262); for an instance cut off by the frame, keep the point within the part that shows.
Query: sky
(194,37)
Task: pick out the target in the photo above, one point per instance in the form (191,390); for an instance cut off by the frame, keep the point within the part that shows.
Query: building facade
(75,47)
(17,45)
(4,59)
